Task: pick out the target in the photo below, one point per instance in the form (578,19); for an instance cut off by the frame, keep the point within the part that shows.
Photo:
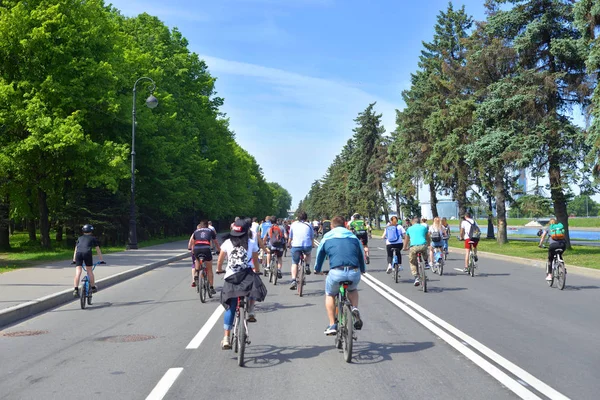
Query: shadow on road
(272,307)
(569,287)
(485,274)
(437,289)
(264,356)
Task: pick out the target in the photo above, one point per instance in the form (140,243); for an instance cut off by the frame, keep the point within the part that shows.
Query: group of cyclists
(250,246)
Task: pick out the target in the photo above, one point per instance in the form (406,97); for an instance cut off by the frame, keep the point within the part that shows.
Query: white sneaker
(417,281)
(549,277)
(400,268)
(389,269)
(225,345)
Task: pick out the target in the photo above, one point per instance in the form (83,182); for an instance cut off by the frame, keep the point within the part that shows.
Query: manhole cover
(126,338)
(22,333)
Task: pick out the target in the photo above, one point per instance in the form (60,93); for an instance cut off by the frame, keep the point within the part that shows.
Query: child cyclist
(241,279)
(83,255)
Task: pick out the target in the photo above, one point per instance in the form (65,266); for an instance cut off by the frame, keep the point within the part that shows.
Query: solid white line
(531,380)
(381,248)
(203,332)
(163,386)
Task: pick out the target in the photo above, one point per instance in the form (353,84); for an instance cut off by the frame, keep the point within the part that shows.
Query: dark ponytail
(237,241)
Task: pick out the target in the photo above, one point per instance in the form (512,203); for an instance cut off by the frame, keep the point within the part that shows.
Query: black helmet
(87,228)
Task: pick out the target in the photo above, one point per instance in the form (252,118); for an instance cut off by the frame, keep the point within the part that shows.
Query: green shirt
(358,225)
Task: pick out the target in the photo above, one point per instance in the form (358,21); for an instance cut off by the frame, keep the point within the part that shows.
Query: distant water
(574,234)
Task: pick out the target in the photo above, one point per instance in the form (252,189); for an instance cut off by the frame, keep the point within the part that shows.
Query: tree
(583,206)
(282,200)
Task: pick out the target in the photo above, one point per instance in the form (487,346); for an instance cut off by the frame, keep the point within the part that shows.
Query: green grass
(26,254)
(582,256)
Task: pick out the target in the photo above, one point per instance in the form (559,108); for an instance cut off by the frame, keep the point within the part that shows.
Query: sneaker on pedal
(294,286)
(389,269)
(427,266)
(279,276)
(417,281)
(549,277)
(225,344)
(358,324)
(466,270)
(193,283)
(475,257)
(76,292)
(331,330)
(368,260)
(251,317)
(94,289)
(212,290)
(307,271)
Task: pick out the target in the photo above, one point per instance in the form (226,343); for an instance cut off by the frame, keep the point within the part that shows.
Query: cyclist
(346,263)
(275,241)
(240,277)
(445,234)
(417,237)
(369,228)
(394,239)
(301,242)
(556,234)
(212,228)
(316,224)
(200,244)
(436,232)
(83,255)
(424,222)
(254,227)
(359,228)
(262,230)
(468,228)
(287,224)
(325,226)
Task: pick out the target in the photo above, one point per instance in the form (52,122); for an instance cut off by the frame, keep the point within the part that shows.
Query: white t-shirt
(254,229)
(401,233)
(301,234)
(212,228)
(233,264)
(315,223)
(466,226)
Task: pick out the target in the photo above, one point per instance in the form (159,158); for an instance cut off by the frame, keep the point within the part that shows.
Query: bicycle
(86,289)
(471,263)
(345,322)
(395,265)
(438,261)
(559,270)
(421,271)
(273,268)
(300,280)
(201,279)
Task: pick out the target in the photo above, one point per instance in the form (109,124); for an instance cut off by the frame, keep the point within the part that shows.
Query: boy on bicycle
(83,255)
(556,234)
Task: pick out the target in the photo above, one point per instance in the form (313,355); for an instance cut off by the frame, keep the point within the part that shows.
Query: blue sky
(295,73)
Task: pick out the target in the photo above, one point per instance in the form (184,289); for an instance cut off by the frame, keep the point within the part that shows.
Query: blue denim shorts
(337,275)
(297,251)
(438,244)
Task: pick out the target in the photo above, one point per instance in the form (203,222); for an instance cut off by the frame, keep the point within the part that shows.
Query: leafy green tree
(583,206)
(282,200)
(544,37)
(531,206)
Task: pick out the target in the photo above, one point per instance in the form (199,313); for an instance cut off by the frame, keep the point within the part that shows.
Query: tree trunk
(558,196)
(460,194)
(500,193)
(59,231)
(398,207)
(386,212)
(44,221)
(11,226)
(490,230)
(31,229)
(434,199)
(4,224)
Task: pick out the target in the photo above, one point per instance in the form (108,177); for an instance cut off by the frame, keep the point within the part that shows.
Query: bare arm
(99,253)
(255,262)
(222,256)
(191,242)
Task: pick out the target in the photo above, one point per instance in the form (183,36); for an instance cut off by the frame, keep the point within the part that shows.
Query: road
(138,332)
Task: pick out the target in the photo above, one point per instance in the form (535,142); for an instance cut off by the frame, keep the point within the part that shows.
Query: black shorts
(84,258)
(278,251)
(364,238)
(203,252)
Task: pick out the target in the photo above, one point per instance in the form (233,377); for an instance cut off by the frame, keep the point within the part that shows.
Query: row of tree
(489,98)
(67,69)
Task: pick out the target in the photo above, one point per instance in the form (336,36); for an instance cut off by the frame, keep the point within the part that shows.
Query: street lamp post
(151,102)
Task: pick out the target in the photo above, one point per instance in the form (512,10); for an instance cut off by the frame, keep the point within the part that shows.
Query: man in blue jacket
(346,263)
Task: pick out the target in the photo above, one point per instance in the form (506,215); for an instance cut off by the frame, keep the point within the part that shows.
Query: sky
(295,73)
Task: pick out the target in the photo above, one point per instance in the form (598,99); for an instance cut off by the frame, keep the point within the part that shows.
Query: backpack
(326,226)
(474,231)
(237,259)
(436,236)
(391,233)
(557,231)
(277,238)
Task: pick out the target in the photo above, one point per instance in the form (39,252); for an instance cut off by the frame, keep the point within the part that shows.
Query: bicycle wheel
(396,273)
(423,278)
(202,286)
(348,333)
(471,264)
(441,267)
(338,320)
(234,333)
(300,278)
(197,280)
(83,293)
(562,275)
(274,274)
(207,285)
(241,336)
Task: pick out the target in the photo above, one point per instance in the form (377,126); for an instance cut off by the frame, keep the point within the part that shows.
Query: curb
(574,269)
(21,311)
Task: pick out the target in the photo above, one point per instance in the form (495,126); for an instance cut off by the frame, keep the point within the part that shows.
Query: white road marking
(165,383)
(381,248)
(459,269)
(203,332)
(411,309)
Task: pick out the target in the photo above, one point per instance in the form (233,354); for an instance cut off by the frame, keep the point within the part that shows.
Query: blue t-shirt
(264,228)
(417,234)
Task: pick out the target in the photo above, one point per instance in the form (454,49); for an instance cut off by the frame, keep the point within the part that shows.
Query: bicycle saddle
(346,283)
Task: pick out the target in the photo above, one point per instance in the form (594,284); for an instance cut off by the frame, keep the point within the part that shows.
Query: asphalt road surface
(502,334)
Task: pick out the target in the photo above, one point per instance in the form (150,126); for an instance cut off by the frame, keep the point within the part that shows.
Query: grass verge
(582,256)
(26,254)
(573,222)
